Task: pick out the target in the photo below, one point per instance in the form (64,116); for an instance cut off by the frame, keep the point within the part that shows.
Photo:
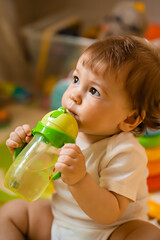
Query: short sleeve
(124,167)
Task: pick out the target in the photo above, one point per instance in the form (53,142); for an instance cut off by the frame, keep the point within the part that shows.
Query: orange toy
(153,183)
(153,32)
(154,167)
(4,117)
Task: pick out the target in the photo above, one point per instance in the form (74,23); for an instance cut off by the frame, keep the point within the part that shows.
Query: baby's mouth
(72,113)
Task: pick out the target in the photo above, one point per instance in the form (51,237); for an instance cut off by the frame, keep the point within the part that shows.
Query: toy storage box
(53,55)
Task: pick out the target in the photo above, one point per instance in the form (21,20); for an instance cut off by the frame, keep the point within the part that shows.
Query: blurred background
(40,42)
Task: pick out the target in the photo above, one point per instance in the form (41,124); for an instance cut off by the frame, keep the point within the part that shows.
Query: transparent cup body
(29,174)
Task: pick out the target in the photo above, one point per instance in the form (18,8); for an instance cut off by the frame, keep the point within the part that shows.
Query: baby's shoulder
(124,142)
(123,138)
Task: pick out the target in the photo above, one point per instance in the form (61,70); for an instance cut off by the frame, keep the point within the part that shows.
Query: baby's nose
(76,97)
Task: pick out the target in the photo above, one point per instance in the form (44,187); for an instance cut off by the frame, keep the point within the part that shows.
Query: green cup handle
(56,176)
(19,149)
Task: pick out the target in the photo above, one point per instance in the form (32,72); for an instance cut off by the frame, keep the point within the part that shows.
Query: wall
(91,11)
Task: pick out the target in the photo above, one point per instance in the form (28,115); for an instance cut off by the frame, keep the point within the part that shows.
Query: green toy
(150,141)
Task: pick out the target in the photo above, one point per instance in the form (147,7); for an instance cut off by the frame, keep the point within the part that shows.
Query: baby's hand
(21,134)
(71,164)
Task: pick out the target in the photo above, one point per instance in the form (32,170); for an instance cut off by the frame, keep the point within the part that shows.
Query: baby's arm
(18,136)
(98,203)
(103,206)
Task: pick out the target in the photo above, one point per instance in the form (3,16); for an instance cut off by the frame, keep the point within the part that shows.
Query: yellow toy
(154,211)
(153,154)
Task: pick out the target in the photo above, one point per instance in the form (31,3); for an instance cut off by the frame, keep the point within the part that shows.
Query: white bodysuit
(119,164)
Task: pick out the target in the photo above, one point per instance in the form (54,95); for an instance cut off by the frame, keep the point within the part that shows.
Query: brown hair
(143,72)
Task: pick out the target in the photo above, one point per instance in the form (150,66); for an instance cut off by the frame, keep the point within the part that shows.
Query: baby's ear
(132,121)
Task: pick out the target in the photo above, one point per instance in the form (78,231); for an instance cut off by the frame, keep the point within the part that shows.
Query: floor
(21,114)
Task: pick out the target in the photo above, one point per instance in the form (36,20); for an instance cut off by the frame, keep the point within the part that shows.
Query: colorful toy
(153,154)
(151,133)
(150,141)
(125,18)
(30,173)
(5,117)
(153,32)
(154,211)
(48,85)
(11,91)
(154,167)
(58,90)
(153,183)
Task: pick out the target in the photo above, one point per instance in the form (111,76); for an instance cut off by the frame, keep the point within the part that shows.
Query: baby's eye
(94,92)
(76,80)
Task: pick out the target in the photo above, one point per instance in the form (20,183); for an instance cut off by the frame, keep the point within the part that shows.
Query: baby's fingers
(27,129)
(15,138)
(21,134)
(11,145)
(28,139)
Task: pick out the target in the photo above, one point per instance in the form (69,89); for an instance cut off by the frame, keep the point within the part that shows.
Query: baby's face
(98,104)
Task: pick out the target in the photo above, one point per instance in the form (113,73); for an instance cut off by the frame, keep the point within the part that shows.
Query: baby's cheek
(64,98)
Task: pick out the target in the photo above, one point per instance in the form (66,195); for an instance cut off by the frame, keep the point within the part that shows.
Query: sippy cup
(30,173)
